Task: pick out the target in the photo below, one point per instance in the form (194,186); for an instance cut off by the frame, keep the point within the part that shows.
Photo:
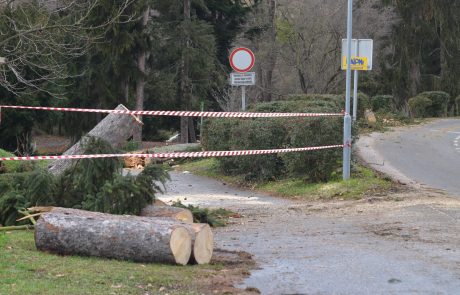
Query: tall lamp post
(347,118)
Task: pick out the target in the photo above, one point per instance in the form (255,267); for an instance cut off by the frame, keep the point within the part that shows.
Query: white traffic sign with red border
(242,60)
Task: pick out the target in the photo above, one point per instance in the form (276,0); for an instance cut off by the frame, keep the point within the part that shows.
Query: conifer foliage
(90,184)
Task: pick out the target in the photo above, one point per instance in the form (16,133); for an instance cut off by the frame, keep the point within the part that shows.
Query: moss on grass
(24,270)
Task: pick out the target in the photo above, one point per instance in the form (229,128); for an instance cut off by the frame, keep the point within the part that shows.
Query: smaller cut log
(180,214)
(202,243)
(77,232)
(159,203)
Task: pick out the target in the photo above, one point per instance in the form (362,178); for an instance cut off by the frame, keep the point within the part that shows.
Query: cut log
(180,214)
(115,128)
(202,237)
(134,162)
(202,243)
(142,239)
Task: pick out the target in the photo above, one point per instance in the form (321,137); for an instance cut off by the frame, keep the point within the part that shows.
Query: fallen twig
(19,227)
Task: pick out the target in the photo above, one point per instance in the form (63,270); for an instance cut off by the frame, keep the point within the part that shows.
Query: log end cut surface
(181,247)
(203,246)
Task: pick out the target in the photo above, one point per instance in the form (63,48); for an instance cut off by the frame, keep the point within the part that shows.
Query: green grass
(364,182)
(24,270)
(10,166)
(15,166)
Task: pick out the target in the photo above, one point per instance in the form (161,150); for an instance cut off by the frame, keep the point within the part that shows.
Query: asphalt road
(426,155)
(408,246)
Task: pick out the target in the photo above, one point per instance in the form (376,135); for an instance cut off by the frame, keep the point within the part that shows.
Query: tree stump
(143,239)
(115,128)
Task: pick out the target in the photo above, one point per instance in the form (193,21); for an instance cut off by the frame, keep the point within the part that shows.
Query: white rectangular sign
(243,79)
(361,54)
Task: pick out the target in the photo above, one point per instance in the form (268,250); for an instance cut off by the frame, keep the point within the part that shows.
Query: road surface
(407,244)
(426,155)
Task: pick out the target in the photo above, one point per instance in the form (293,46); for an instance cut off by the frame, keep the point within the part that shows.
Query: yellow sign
(358,63)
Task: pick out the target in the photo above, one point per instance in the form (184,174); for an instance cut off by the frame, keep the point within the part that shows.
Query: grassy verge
(15,166)
(364,182)
(24,270)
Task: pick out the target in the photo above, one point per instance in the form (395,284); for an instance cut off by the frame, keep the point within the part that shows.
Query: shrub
(439,107)
(220,134)
(430,104)
(382,103)
(419,106)
(364,103)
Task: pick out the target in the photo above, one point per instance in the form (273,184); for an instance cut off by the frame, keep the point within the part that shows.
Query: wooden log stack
(160,239)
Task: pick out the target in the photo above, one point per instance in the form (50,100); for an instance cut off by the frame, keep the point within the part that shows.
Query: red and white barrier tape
(174,155)
(178,113)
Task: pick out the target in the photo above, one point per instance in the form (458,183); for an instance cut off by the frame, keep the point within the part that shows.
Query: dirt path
(405,244)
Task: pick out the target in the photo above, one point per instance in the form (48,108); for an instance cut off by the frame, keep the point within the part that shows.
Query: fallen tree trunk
(143,239)
(115,128)
(180,214)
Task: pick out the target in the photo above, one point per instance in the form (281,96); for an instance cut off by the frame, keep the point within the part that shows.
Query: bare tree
(39,39)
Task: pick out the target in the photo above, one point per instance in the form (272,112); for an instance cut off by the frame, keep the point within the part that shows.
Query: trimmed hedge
(225,134)
(430,104)
(382,103)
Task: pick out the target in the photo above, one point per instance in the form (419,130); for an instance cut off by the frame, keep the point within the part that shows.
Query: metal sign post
(242,60)
(355,87)
(347,119)
(361,60)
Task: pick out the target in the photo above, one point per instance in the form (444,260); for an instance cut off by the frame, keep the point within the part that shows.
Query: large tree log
(143,239)
(180,214)
(115,128)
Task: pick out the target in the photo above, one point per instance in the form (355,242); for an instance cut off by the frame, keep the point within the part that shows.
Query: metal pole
(243,98)
(355,96)
(201,119)
(347,118)
(355,87)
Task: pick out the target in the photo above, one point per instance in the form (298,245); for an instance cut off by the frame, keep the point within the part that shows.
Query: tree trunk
(142,239)
(180,214)
(140,83)
(115,129)
(186,134)
(267,94)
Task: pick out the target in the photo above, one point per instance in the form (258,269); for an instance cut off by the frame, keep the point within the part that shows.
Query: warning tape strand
(174,154)
(178,113)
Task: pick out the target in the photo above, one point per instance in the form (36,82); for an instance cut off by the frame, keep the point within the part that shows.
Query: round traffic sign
(242,60)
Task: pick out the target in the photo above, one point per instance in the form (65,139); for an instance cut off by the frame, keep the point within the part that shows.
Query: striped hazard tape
(174,155)
(178,113)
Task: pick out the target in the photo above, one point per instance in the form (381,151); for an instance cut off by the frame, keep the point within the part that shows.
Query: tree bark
(115,129)
(180,214)
(187,135)
(142,239)
(267,94)
(140,83)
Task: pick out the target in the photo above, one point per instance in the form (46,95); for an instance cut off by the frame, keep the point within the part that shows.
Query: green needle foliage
(90,184)
(213,217)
